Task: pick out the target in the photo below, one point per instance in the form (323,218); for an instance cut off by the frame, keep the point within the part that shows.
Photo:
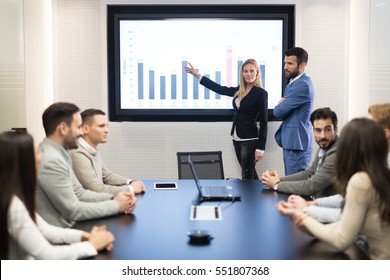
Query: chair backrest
(208,165)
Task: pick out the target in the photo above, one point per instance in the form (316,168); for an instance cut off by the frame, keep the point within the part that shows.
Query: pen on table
(216,212)
(194,212)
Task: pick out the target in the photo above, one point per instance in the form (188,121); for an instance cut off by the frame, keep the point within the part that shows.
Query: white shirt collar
(296,78)
(321,153)
(86,146)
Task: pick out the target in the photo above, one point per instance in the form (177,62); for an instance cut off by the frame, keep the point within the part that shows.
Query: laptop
(213,192)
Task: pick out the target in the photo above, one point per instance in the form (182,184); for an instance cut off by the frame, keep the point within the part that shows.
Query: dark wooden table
(251,229)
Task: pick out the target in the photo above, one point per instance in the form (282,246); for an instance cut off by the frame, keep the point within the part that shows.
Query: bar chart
(163,88)
(152,69)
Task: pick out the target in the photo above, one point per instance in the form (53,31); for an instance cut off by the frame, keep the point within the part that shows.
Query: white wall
(12,88)
(148,150)
(38,40)
(358,58)
(379,54)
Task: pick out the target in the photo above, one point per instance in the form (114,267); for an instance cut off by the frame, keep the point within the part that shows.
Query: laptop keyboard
(215,191)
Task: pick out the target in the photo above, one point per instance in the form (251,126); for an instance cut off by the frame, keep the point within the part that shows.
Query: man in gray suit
(316,180)
(60,198)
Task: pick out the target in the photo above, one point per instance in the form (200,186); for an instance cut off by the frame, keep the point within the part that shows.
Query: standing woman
(250,103)
(363,179)
(23,233)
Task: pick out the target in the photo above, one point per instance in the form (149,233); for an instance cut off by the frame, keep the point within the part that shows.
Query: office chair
(208,165)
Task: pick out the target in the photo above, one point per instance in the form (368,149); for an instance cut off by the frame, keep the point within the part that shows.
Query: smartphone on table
(165,186)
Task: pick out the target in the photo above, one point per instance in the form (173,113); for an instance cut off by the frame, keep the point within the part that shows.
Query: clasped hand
(127,201)
(100,238)
(287,209)
(270,178)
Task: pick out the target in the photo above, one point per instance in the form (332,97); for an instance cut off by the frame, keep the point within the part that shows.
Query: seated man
(60,198)
(316,180)
(88,165)
(328,209)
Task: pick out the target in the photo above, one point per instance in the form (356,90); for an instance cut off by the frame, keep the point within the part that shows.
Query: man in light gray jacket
(88,164)
(316,180)
(60,198)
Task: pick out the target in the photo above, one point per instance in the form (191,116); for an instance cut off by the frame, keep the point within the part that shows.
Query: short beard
(294,74)
(69,145)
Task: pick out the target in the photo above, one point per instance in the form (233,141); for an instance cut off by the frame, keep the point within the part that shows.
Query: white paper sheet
(210,213)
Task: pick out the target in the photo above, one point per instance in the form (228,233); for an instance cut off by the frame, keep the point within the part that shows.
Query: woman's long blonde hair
(243,85)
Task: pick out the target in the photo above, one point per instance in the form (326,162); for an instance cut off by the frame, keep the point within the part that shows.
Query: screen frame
(117,12)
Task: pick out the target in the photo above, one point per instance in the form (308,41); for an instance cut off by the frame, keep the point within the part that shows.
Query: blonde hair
(381,114)
(243,85)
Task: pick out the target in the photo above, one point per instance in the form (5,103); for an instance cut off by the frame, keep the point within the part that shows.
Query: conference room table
(248,229)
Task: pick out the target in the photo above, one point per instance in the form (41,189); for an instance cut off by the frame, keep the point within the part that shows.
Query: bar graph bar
(151,84)
(173,87)
(206,90)
(262,69)
(239,64)
(162,87)
(140,81)
(195,87)
(184,80)
(218,81)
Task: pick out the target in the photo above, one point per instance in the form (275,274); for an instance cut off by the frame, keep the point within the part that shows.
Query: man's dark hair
(88,114)
(324,113)
(57,113)
(301,54)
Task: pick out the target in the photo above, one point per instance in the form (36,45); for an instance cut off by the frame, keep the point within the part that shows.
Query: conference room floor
(249,229)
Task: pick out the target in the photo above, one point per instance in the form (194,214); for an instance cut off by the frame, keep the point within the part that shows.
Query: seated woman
(363,179)
(23,233)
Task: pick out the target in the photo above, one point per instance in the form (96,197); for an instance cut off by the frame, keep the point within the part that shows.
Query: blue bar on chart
(140,81)
(184,80)
(162,87)
(195,87)
(206,90)
(239,64)
(151,84)
(262,69)
(173,87)
(218,81)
